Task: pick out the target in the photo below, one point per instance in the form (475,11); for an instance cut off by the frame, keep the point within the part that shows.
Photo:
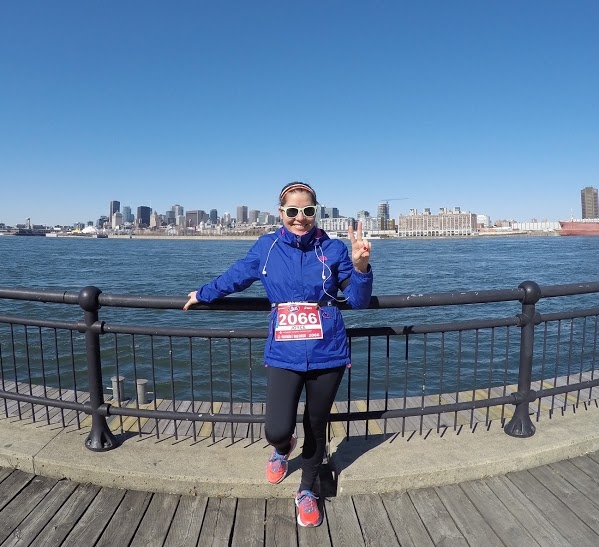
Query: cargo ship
(579,227)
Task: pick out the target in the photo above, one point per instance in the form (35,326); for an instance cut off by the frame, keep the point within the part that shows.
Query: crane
(392,199)
(386,201)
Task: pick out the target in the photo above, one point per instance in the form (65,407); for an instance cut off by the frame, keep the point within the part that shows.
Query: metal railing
(436,373)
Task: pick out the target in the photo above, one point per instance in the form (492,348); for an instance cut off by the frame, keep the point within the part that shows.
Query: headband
(296,186)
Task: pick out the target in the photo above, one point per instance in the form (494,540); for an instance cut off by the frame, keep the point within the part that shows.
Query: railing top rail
(241,303)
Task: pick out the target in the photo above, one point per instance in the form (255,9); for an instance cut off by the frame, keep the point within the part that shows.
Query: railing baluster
(521,425)
(100,437)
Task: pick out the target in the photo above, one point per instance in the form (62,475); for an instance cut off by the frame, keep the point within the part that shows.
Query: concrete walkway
(226,469)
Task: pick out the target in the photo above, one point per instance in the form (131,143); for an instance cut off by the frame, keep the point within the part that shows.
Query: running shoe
(277,466)
(308,513)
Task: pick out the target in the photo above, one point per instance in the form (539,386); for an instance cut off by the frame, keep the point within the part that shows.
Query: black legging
(283,391)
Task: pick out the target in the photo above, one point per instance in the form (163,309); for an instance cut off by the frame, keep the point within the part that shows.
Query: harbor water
(174,267)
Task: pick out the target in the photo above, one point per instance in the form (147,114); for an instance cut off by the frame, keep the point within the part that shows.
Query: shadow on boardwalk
(555,504)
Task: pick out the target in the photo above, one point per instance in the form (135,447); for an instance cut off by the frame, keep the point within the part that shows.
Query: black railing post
(521,425)
(100,437)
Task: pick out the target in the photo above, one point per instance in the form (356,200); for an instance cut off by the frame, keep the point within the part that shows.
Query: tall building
(382,214)
(193,219)
(242,214)
(213,216)
(253,216)
(143,216)
(589,202)
(127,216)
(115,207)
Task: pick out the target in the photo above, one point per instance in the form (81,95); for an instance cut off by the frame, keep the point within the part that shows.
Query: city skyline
(487,106)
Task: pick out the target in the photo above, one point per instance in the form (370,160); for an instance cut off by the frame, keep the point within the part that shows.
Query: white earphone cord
(325,278)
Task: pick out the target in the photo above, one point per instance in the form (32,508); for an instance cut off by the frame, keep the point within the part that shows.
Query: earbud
(264,270)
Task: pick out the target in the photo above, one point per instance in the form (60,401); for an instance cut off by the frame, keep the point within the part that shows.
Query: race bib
(298,321)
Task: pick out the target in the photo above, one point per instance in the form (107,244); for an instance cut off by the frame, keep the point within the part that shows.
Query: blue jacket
(294,269)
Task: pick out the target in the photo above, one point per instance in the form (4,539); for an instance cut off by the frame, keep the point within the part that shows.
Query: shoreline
(253,238)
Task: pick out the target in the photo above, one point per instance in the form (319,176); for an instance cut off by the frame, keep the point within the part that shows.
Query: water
(172,267)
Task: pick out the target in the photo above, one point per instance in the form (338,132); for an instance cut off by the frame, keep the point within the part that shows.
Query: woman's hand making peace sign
(360,248)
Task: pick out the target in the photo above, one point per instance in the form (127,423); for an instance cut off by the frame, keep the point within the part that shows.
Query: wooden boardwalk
(201,429)
(552,505)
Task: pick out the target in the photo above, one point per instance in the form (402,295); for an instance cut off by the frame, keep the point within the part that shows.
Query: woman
(302,270)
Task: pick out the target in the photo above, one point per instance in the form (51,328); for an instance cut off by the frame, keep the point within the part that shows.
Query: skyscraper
(115,207)
(589,202)
(143,216)
(242,214)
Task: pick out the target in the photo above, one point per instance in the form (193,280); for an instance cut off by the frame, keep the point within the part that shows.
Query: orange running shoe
(276,467)
(308,513)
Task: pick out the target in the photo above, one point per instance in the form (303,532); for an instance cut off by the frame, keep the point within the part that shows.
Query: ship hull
(579,227)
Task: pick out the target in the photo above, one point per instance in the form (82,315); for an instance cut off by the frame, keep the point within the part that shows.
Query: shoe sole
(299,521)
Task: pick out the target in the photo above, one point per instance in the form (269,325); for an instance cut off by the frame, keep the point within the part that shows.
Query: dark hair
(294,186)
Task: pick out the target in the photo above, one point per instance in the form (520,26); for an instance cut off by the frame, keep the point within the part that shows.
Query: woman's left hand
(360,248)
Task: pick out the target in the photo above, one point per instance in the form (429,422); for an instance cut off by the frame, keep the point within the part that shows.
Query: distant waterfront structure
(115,207)
(535,226)
(127,216)
(117,220)
(589,202)
(143,216)
(337,224)
(383,215)
(102,222)
(483,220)
(213,216)
(253,216)
(447,223)
(330,212)
(242,214)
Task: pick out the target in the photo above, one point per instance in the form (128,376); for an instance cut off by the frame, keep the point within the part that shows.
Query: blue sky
(492,106)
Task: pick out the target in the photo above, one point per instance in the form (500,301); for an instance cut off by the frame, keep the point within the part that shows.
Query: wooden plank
(374,521)
(67,516)
(469,521)
(126,519)
(436,518)
(564,517)
(20,506)
(36,520)
(150,426)
(409,529)
(97,515)
(4,473)
(155,524)
(12,485)
(527,514)
(206,428)
(187,521)
(217,527)
(337,428)
(578,479)
(344,527)
(372,426)
(249,523)
(496,514)
(588,465)
(280,522)
(561,488)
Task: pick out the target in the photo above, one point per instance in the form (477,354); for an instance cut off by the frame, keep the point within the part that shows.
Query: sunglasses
(292,212)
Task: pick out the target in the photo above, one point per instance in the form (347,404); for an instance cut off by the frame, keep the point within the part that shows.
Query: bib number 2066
(298,321)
